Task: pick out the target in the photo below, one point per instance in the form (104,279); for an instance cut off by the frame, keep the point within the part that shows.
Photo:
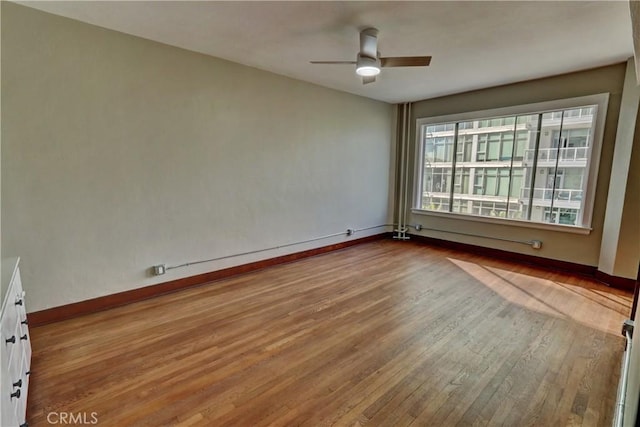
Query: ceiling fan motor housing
(369,42)
(367,62)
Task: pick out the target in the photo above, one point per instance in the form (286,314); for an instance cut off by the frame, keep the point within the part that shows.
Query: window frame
(601,101)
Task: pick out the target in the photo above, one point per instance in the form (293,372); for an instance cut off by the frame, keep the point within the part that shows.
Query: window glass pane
(516,211)
(490,182)
(482,147)
(478,181)
(490,186)
(522,139)
(573,178)
(503,182)
(506,150)
(461,188)
(526,137)
(517,208)
(429,144)
(577,137)
(462,206)
(567,216)
(561,169)
(500,210)
(437,162)
(465,144)
(437,183)
(561,216)
(440,204)
(441,180)
(517,182)
(443,149)
(493,151)
(539,186)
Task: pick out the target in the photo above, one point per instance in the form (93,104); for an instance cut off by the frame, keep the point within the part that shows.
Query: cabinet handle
(18,383)
(16,394)
(24,424)
(25,322)
(12,340)
(28,373)
(19,302)
(24,337)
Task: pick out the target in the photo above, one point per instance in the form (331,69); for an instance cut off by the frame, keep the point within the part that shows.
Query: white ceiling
(473,44)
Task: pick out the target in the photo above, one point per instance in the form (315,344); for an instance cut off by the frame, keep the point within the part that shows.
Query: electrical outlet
(159,269)
(350,231)
(536,244)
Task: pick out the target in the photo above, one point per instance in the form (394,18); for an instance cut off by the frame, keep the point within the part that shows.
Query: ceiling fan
(368,62)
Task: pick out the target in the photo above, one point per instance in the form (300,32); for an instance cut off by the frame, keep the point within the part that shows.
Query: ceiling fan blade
(369,42)
(368,79)
(405,61)
(332,62)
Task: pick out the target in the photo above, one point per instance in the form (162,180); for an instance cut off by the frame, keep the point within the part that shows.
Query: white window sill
(509,222)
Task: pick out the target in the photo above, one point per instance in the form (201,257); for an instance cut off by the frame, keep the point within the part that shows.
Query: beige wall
(581,249)
(620,244)
(119,153)
(629,240)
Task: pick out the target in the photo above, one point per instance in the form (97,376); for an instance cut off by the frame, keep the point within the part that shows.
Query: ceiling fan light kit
(369,63)
(367,67)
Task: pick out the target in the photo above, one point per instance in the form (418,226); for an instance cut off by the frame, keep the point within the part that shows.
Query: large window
(535,163)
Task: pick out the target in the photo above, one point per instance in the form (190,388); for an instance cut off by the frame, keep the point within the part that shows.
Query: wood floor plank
(382,334)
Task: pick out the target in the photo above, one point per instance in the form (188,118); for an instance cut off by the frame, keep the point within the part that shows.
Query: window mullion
(534,168)
(555,172)
(513,147)
(453,165)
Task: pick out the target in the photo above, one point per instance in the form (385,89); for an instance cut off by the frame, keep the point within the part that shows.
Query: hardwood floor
(383,334)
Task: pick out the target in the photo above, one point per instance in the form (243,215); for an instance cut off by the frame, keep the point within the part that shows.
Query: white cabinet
(15,348)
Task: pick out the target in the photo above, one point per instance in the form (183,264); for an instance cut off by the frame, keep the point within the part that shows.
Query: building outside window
(534,166)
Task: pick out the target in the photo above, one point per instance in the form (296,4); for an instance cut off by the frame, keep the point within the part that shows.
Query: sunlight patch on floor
(586,302)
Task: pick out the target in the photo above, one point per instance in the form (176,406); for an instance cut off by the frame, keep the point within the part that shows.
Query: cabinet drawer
(8,322)
(23,385)
(7,404)
(15,388)
(9,416)
(23,340)
(25,346)
(14,348)
(13,396)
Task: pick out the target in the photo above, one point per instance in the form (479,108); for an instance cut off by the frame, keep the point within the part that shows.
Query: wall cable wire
(348,232)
